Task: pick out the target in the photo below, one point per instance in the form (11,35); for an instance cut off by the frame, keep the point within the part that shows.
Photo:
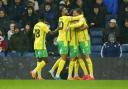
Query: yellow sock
(56,65)
(90,65)
(39,70)
(76,68)
(70,70)
(60,68)
(82,65)
(40,66)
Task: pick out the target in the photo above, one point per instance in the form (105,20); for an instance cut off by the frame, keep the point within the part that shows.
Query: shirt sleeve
(46,28)
(79,24)
(75,17)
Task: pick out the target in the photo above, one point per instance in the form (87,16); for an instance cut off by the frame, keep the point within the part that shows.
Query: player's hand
(83,27)
(68,28)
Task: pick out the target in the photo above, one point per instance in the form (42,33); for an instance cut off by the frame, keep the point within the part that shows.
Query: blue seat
(125,55)
(125,48)
(95,54)
(13,54)
(2,54)
(96,48)
(96,33)
(28,54)
(97,41)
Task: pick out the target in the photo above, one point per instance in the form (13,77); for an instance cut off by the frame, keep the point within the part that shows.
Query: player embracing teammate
(74,39)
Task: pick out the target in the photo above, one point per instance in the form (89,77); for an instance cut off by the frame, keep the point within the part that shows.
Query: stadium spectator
(29,16)
(3,45)
(62,4)
(28,33)
(50,15)
(111,48)
(111,27)
(85,5)
(16,11)
(96,18)
(123,11)
(11,30)
(18,42)
(101,5)
(124,33)
(3,5)
(112,6)
(4,22)
(34,4)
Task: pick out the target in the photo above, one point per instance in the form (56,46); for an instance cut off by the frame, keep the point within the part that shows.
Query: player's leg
(82,65)
(70,70)
(87,52)
(63,50)
(73,55)
(76,70)
(55,66)
(41,54)
(34,72)
(61,66)
(40,67)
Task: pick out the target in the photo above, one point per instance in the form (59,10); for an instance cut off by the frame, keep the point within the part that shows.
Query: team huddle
(73,39)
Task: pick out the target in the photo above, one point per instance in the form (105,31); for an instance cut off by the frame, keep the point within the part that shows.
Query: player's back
(63,24)
(40,30)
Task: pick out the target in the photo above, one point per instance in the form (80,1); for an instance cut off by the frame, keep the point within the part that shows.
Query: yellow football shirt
(82,35)
(73,37)
(40,30)
(64,34)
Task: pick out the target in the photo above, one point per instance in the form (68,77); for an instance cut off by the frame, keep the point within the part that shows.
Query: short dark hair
(16,27)
(78,10)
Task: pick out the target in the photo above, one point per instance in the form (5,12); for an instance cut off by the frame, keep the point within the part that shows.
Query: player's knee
(39,59)
(42,59)
(73,59)
(64,57)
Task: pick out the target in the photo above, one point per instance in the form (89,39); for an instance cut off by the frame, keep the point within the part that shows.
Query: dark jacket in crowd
(110,49)
(30,38)
(16,12)
(19,42)
(32,20)
(97,19)
(4,25)
(124,35)
(107,31)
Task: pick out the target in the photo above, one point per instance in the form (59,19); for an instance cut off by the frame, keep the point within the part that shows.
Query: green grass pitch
(47,84)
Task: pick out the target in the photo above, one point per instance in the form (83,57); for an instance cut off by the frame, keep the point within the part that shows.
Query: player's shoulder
(64,17)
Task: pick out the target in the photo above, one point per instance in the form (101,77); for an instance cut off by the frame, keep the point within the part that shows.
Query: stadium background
(17,60)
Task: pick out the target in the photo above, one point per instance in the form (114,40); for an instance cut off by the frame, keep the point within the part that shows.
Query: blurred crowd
(17,19)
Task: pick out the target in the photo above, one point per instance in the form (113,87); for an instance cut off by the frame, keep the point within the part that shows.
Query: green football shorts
(85,47)
(63,50)
(41,53)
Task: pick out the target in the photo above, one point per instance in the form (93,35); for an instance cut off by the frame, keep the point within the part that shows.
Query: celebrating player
(84,46)
(40,30)
(62,40)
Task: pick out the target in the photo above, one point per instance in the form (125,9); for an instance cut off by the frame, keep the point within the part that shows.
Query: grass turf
(33,84)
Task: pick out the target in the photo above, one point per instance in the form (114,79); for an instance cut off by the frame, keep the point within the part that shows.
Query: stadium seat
(96,48)
(28,54)
(2,54)
(14,54)
(97,41)
(125,48)
(96,32)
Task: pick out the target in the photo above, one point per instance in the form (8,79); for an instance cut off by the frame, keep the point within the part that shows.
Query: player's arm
(84,27)
(77,25)
(75,18)
(60,26)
